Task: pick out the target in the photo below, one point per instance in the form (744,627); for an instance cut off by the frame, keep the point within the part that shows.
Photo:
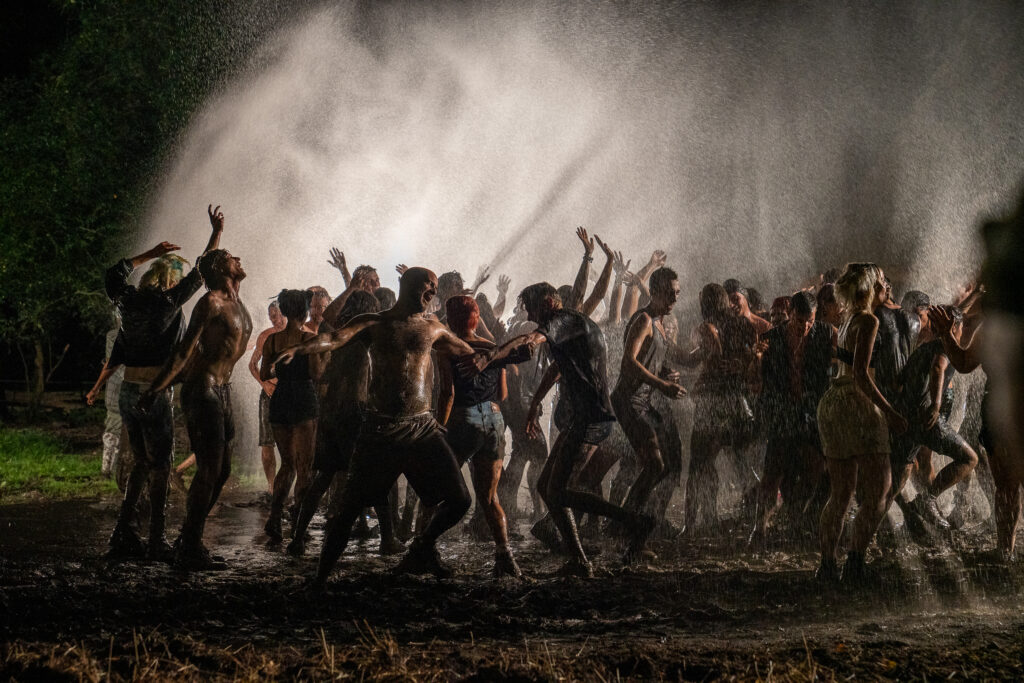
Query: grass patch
(35,461)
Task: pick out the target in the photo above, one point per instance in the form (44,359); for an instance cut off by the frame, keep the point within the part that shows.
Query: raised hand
(588,243)
(658,259)
(503,282)
(401,268)
(482,275)
(216,217)
(604,247)
(621,266)
(940,319)
(337,259)
(161,249)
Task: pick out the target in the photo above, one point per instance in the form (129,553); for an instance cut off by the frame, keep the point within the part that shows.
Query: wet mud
(704,609)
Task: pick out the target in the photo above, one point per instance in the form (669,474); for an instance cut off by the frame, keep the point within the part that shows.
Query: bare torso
(222,341)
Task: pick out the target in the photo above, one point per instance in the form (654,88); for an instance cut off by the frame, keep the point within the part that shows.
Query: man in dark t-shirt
(580,359)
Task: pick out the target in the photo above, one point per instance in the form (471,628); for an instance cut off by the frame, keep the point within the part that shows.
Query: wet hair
(319,292)
(803,303)
(731,285)
(295,303)
(386,297)
(450,284)
(662,279)
(826,295)
(533,296)
(462,314)
(714,304)
(783,302)
(856,286)
(210,265)
(358,302)
(830,276)
(363,270)
(165,272)
(914,300)
(754,299)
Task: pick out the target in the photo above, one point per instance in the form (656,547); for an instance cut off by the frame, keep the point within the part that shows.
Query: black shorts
(414,446)
(335,442)
(208,415)
(941,439)
(639,419)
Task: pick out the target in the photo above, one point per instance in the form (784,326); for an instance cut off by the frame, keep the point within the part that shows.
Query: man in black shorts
(399,434)
(579,358)
(217,335)
(646,349)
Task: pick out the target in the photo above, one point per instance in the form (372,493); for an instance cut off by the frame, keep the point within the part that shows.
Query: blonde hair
(165,272)
(855,288)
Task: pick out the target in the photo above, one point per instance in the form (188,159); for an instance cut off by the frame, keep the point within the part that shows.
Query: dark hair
(803,303)
(565,295)
(460,311)
(386,297)
(450,284)
(754,299)
(661,279)
(714,304)
(830,276)
(532,297)
(826,295)
(784,302)
(358,302)
(731,285)
(294,303)
(913,300)
(209,267)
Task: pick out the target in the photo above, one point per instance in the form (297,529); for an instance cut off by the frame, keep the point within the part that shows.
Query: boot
(423,558)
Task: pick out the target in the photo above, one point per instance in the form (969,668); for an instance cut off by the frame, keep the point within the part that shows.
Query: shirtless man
(277,322)
(645,351)
(399,434)
(217,335)
(579,358)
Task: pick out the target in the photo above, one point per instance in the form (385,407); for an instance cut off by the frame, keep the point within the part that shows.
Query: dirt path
(702,611)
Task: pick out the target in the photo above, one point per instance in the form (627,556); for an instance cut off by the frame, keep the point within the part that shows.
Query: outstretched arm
(337,260)
(621,269)
(656,261)
(217,223)
(964,359)
(329,341)
(601,287)
(499,305)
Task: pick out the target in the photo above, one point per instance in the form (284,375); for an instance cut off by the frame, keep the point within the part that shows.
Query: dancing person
(216,338)
(646,350)
(152,323)
(854,420)
(579,358)
(110,379)
(468,408)
(795,374)
(293,405)
(926,400)
(341,410)
(399,434)
(778,315)
(739,299)
(266,433)
(722,415)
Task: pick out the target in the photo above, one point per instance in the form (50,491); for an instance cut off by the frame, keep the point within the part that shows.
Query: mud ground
(703,610)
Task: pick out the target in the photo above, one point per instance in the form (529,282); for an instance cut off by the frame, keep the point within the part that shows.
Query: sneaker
(297,547)
(505,565)
(423,558)
(640,530)
(576,567)
(196,558)
(273,528)
(125,544)
(928,509)
(390,547)
(546,532)
(159,550)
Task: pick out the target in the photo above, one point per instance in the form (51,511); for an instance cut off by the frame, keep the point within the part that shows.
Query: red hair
(463,314)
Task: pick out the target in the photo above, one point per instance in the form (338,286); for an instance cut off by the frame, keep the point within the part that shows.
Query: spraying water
(765,143)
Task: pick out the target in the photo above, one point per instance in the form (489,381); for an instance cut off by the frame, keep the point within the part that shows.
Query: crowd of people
(833,399)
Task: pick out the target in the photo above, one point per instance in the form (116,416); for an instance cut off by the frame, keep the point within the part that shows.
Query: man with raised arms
(216,338)
(399,434)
